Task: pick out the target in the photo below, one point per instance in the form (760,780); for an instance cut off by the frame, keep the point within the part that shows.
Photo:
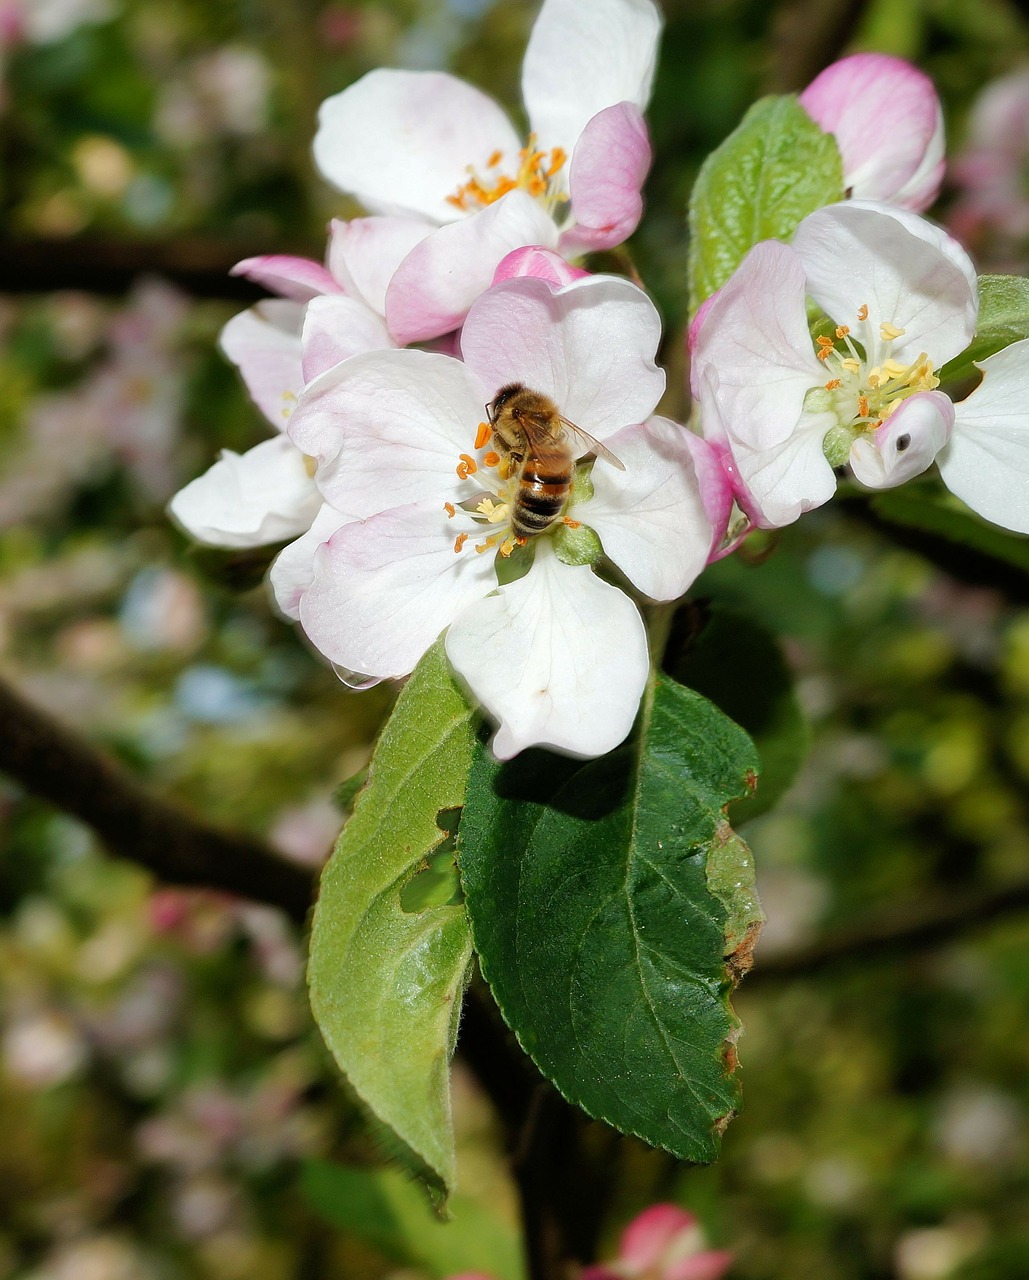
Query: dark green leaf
(385,1209)
(1003,319)
(611,905)
(387,969)
(738,664)
(946,517)
(773,170)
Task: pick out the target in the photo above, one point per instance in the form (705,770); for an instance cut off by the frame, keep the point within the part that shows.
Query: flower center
(864,389)
(534,174)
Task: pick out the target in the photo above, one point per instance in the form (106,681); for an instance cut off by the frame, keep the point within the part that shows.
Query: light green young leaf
(773,170)
(1003,319)
(385,1209)
(388,964)
(613,907)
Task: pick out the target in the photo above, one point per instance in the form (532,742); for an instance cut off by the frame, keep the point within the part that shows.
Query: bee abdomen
(542,494)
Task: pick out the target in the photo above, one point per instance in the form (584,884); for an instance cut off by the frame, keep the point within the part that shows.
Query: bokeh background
(163,1093)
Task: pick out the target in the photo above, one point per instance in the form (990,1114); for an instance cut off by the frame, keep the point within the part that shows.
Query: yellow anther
(483,434)
(494,159)
(491,459)
(851,365)
(571,524)
(863,406)
(863,311)
(889,331)
(894,369)
(450,509)
(843,330)
(507,546)
(833,384)
(535,170)
(459,541)
(466,467)
(492,541)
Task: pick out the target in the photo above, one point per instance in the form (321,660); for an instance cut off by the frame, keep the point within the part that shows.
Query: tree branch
(53,762)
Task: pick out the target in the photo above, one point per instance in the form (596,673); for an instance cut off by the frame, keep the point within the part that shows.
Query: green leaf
(387,971)
(774,169)
(612,908)
(948,518)
(733,660)
(1003,319)
(386,1210)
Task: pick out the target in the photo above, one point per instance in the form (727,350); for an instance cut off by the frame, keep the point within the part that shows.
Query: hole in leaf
(435,883)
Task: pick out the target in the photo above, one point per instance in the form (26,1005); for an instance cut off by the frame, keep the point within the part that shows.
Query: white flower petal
(365,252)
(986,462)
(783,481)
(582,58)
(650,517)
(337,328)
(249,499)
(441,277)
(753,360)
(559,657)
(402,141)
(291,277)
(590,346)
(264,344)
(292,570)
(905,270)
(907,442)
(388,428)
(385,588)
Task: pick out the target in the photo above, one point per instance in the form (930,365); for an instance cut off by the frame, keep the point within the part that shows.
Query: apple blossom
(664,1242)
(787,409)
(423,507)
(428,147)
(888,124)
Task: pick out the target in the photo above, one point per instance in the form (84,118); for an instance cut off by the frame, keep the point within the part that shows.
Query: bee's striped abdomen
(542,493)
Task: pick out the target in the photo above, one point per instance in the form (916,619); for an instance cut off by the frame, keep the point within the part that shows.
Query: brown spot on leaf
(740,959)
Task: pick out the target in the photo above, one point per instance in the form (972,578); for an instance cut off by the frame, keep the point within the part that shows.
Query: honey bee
(535,441)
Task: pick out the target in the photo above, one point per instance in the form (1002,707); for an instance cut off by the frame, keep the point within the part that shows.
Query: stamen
(507,546)
(491,459)
(843,330)
(851,365)
(483,434)
(889,331)
(833,384)
(466,467)
(557,158)
(894,369)
(450,509)
(492,541)
(494,159)
(571,524)
(863,406)
(863,311)
(459,541)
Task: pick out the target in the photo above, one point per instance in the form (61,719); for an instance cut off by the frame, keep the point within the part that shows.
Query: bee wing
(593,446)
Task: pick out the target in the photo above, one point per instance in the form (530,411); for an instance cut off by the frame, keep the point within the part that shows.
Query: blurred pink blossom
(663,1243)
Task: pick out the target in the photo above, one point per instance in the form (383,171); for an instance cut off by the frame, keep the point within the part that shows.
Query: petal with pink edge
(264,344)
(388,428)
(292,570)
(336,328)
(888,124)
(582,58)
(986,463)
(780,483)
(384,589)
(753,359)
(651,517)
(590,346)
(558,657)
(542,264)
(401,141)
(249,499)
(907,442)
(441,277)
(651,1234)
(609,165)
(297,278)
(906,271)
(365,252)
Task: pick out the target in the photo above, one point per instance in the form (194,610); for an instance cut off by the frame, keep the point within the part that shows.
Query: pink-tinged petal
(337,328)
(590,346)
(296,278)
(558,657)
(441,277)
(905,270)
(600,1273)
(388,428)
(264,344)
(292,570)
(250,499)
(887,121)
(401,141)
(582,58)
(753,361)
(542,264)
(696,324)
(651,517)
(609,165)
(384,589)
(986,463)
(653,1232)
(365,252)
(907,442)
(713,467)
(710,1265)
(779,483)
